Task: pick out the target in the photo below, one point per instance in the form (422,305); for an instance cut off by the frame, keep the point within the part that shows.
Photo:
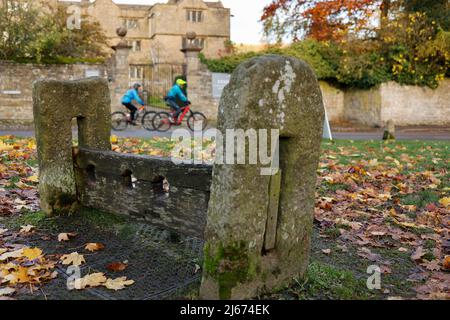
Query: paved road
(402,134)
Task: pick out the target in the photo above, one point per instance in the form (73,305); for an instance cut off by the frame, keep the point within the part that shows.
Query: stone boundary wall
(418,105)
(16,81)
(405,105)
(136,186)
(333,99)
(200,93)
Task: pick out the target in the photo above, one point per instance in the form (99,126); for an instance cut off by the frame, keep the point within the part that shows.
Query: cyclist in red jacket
(176,93)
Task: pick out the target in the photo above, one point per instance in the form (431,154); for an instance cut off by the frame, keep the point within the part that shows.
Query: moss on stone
(90,104)
(62,202)
(388,136)
(229,266)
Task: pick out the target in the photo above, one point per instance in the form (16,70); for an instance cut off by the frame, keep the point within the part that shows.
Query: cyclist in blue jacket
(133,94)
(176,93)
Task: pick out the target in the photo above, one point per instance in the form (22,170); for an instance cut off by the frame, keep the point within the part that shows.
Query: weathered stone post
(198,76)
(389,131)
(55,104)
(121,81)
(259,227)
(191,51)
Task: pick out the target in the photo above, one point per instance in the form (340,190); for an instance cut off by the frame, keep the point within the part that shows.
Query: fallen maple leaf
(368,254)
(6,291)
(65,236)
(26,229)
(432,265)
(13,254)
(418,254)
(32,254)
(395,298)
(378,233)
(116,266)
(91,280)
(118,284)
(446,262)
(114,139)
(33,178)
(18,276)
(92,247)
(74,259)
(445,202)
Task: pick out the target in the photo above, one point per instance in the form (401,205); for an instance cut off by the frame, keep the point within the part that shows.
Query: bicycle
(120,120)
(163,121)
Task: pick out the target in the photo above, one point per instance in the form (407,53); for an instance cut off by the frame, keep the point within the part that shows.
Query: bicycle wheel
(161,122)
(197,119)
(147,120)
(119,121)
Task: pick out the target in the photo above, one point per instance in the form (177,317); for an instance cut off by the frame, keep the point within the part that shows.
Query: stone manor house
(156,33)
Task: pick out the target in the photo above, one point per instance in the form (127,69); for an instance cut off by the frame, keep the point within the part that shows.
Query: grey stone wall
(16,81)
(405,105)
(200,93)
(147,188)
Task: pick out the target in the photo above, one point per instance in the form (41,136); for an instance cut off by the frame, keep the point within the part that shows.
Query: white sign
(326,128)
(219,82)
(92,73)
(16,92)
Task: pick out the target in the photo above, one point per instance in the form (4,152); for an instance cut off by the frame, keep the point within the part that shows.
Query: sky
(245,25)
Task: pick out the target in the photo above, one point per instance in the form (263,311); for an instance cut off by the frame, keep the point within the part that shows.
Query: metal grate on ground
(162,265)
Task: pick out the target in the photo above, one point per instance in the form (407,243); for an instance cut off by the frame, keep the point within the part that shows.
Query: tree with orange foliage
(320,19)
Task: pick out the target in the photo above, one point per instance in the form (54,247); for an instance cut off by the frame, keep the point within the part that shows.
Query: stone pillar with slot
(259,227)
(121,82)
(55,104)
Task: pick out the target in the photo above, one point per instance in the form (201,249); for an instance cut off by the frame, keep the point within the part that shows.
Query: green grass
(421,199)
(99,218)
(12,182)
(123,226)
(401,268)
(434,153)
(36,219)
(323,281)
(102,220)
(333,233)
